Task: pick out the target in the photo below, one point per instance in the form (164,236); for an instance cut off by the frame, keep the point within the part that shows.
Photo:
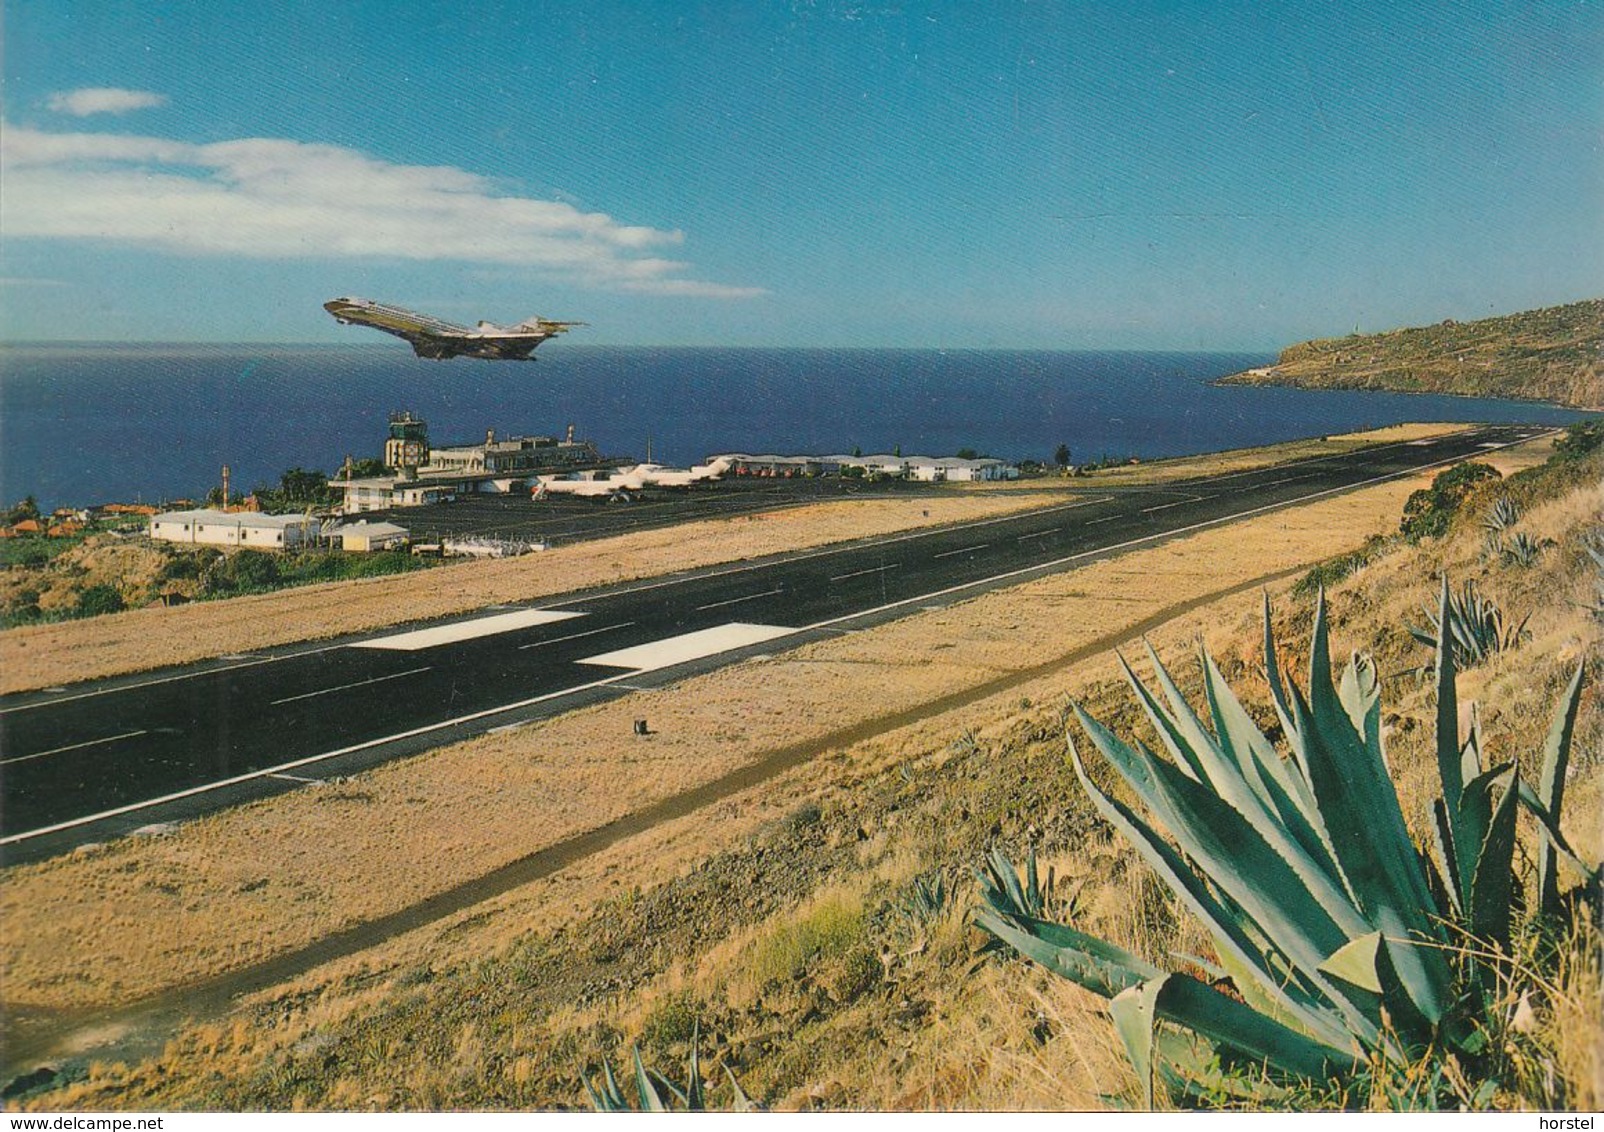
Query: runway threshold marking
(738,600)
(870,570)
(72,747)
(829,625)
(576,636)
(689,646)
(466,630)
(347,687)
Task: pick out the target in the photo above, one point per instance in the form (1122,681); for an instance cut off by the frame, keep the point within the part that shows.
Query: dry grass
(40,656)
(142,914)
(1007,1037)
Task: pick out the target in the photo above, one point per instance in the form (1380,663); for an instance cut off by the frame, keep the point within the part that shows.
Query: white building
(364,535)
(941,469)
(235,528)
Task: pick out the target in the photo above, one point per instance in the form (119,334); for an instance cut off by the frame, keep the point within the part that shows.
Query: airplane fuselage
(435,338)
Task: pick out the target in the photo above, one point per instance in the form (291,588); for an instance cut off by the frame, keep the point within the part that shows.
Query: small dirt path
(143,1027)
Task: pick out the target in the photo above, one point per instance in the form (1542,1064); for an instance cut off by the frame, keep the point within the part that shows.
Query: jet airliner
(435,338)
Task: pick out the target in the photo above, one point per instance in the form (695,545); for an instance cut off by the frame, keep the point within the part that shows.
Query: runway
(95,761)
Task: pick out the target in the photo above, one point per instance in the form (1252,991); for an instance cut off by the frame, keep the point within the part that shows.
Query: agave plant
(927,899)
(1333,932)
(656,1093)
(1505,514)
(1523,550)
(1473,623)
(1595,551)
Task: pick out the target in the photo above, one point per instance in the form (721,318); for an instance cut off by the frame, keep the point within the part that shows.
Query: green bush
(96,600)
(1580,440)
(1333,570)
(1428,512)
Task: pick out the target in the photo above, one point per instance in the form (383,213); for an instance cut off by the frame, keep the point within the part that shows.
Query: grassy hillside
(814,955)
(1555,354)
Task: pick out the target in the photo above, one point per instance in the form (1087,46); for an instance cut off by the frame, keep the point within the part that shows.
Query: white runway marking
(965,550)
(870,570)
(576,636)
(738,600)
(1039,534)
(71,747)
(344,687)
(1167,506)
(1104,519)
(689,646)
(466,630)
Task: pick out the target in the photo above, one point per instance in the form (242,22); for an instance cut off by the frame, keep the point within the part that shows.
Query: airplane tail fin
(535,322)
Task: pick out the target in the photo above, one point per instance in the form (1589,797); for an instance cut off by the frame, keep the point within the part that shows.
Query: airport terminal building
(424,475)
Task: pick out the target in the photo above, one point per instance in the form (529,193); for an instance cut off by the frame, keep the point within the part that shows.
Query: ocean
(96,423)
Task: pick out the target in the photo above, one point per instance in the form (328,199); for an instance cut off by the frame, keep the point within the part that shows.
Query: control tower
(407,448)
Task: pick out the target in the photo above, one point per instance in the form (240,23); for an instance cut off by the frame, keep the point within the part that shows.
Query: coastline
(1262,376)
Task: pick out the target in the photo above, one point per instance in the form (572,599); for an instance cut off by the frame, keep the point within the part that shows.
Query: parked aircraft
(626,481)
(435,338)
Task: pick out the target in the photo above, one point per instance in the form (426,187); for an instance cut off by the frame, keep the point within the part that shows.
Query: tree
(27,509)
(298,485)
(968,454)
(1061,456)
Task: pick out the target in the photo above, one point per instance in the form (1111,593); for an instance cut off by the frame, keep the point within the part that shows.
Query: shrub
(1428,512)
(1580,441)
(670,1021)
(1333,570)
(1352,957)
(100,599)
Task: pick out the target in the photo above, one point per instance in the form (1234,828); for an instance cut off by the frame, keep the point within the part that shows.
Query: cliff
(1555,354)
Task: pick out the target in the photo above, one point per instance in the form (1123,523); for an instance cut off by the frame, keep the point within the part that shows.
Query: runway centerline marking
(829,625)
(965,550)
(72,747)
(738,600)
(870,570)
(689,646)
(347,687)
(466,630)
(576,636)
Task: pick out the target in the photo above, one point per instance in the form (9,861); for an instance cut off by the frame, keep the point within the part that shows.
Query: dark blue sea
(85,424)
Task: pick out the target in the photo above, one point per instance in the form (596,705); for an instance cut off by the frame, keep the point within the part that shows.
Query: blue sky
(1187,176)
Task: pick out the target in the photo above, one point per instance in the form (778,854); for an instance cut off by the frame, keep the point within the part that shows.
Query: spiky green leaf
(1134,1012)
(1551,786)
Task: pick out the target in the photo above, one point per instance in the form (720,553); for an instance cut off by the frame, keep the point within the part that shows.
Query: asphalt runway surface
(560,519)
(98,760)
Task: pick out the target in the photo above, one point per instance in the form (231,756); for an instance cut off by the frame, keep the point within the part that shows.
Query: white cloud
(103,100)
(270,198)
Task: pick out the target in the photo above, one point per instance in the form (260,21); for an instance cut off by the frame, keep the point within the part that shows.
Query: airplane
(620,484)
(435,338)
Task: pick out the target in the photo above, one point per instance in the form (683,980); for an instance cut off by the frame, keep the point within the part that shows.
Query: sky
(1190,176)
